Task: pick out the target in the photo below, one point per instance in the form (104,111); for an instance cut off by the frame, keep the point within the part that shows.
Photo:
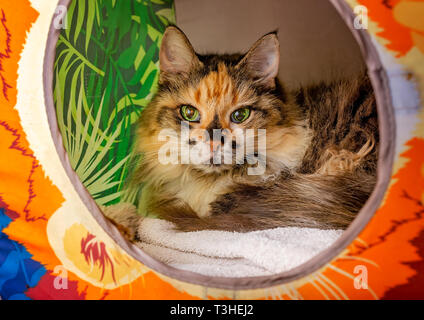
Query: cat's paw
(124,217)
(128,233)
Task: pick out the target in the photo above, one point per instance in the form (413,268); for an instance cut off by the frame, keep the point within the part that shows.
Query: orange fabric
(23,184)
(396,23)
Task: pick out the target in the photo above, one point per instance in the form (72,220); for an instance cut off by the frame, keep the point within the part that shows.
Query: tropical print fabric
(18,271)
(51,247)
(106,71)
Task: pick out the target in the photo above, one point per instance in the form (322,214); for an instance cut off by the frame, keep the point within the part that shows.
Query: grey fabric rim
(387,128)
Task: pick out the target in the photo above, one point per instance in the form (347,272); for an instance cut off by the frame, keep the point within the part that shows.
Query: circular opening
(95,96)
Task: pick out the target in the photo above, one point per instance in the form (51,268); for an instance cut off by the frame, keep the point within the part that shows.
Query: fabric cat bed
(55,170)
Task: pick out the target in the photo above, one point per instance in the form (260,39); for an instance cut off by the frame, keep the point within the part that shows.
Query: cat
(320,155)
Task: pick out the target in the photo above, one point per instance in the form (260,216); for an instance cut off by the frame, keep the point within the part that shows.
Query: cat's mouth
(204,158)
(215,165)
(212,167)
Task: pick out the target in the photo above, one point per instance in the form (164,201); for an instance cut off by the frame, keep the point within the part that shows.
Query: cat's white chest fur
(200,193)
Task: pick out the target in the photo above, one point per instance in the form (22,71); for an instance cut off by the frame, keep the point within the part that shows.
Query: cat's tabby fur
(321,151)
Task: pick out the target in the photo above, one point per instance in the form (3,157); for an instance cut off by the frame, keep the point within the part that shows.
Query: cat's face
(227,103)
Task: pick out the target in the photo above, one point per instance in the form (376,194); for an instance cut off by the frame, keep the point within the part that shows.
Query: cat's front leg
(124,217)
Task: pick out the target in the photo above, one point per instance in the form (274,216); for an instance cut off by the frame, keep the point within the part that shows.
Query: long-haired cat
(319,159)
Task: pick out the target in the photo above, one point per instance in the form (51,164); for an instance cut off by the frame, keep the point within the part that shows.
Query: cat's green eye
(240,115)
(189,113)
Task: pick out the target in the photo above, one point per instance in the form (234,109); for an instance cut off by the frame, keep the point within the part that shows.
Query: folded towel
(223,253)
(233,254)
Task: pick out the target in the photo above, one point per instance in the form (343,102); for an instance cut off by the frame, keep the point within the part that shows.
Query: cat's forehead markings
(198,96)
(216,88)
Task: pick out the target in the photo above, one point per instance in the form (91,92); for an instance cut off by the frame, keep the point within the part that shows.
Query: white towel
(232,254)
(222,253)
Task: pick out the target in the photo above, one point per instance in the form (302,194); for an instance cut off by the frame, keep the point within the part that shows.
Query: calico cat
(321,146)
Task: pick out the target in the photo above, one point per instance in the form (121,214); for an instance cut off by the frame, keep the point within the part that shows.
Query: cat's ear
(176,54)
(262,60)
